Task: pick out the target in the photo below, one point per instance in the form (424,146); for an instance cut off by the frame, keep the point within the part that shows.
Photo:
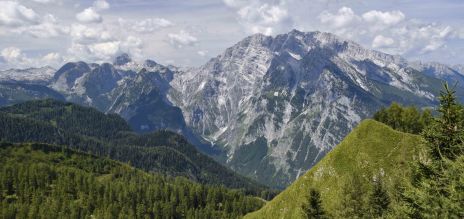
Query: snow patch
(295,56)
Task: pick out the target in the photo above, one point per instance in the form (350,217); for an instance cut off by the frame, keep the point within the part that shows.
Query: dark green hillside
(88,130)
(46,181)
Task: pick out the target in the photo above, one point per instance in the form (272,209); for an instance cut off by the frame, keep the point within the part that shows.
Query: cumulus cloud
(89,15)
(15,58)
(405,37)
(13,14)
(202,53)
(84,34)
(52,58)
(181,39)
(344,17)
(19,19)
(381,41)
(146,25)
(387,18)
(48,27)
(262,17)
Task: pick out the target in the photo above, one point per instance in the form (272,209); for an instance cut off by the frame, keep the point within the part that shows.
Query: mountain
(269,107)
(370,151)
(135,91)
(12,92)
(277,105)
(30,75)
(47,181)
(108,135)
(438,70)
(459,68)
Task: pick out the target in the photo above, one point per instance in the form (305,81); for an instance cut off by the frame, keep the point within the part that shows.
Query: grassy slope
(369,149)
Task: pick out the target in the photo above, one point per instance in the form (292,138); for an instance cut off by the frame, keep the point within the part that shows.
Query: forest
(47,181)
(108,135)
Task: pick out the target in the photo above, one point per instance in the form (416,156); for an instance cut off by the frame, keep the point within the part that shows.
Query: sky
(35,33)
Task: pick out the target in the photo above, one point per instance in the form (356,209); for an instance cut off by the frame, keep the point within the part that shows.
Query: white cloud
(48,27)
(101,5)
(383,18)
(181,39)
(89,15)
(84,34)
(15,58)
(146,25)
(13,14)
(262,17)
(381,41)
(343,18)
(12,54)
(52,58)
(202,53)
(105,50)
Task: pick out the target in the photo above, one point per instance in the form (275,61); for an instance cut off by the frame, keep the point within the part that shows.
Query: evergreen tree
(353,203)
(313,208)
(379,201)
(437,189)
(445,137)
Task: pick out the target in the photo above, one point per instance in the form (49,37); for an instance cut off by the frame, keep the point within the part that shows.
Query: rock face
(276,105)
(138,92)
(268,107)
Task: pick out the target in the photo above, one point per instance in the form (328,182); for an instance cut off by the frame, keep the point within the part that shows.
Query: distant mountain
(268,107)
(88,130)
(371,150)
(12,92)
(135,91)
(30,75)
(438,70)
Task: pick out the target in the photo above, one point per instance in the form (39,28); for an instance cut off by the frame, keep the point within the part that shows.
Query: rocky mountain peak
(122,59)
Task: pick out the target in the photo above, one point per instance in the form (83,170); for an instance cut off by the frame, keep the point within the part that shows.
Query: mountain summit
(277,105)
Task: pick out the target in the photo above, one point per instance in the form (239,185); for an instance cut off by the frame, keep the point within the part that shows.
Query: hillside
(108,135)
(46,181)
(371,150)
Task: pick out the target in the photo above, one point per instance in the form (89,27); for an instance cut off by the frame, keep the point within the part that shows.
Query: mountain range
(269,107)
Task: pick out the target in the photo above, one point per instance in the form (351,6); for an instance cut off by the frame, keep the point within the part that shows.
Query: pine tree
(313,208)
(353,203)
(379,201)
(444,137)
(437,183)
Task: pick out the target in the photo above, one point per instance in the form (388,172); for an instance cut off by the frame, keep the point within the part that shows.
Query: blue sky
(188,33)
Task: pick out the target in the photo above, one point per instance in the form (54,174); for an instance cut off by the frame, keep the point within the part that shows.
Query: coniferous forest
(46,181)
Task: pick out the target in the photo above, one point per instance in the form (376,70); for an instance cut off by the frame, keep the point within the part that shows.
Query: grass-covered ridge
(371,150)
